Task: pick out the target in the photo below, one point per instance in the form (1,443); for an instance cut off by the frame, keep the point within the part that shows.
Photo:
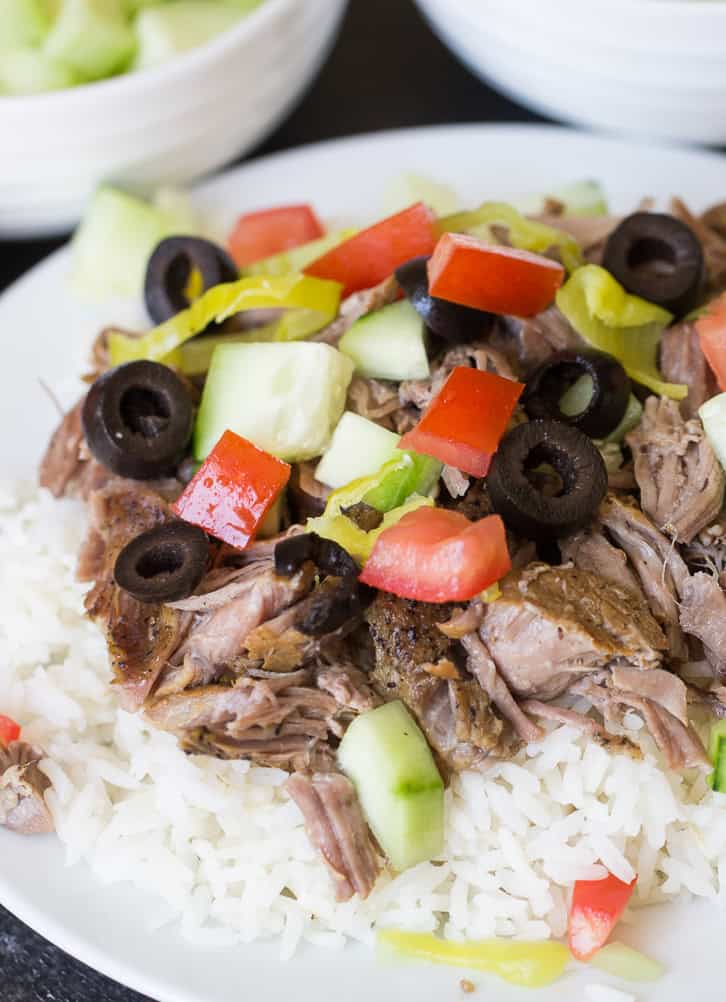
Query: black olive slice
(610,390)
(293,552)
(170,267)
(164,564)
(454,323)
(573,458)
(137,420)
(332,559)
(335,602)
(327,555)
(657,257)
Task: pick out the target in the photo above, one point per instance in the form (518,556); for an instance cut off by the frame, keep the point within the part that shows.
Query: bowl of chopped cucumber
(141,92)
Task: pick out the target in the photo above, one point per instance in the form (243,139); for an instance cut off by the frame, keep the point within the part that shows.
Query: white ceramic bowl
(170,124)
(653,68)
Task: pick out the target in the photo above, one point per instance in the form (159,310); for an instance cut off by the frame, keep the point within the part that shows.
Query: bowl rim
(656,7)
(127,84)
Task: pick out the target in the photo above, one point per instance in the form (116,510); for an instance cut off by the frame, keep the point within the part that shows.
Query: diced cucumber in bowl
(22,23)
(31,71)
(92,37)
(358,448)
(401,791)
(285,397)
(165,31)
(388,343)
(55,44)
(134,6)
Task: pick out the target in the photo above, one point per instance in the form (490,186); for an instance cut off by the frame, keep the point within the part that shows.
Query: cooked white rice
(219,842)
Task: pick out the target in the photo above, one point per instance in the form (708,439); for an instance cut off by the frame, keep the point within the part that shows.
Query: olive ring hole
(178,275)
(650,253)
(164,559)
(144,411)
(550,471)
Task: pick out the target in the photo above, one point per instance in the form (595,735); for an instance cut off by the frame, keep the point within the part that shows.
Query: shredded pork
(680,479)
(22,790)
(552,625)
(335,825)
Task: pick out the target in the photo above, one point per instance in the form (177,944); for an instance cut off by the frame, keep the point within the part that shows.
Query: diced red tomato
(595,911)
(260,234)
(711,329)
(437,555)
(373,254)
(9,730)
(233,490)
(496,279)
(465,421)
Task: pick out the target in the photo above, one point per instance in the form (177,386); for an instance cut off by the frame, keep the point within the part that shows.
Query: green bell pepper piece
(398,487)
(406,474)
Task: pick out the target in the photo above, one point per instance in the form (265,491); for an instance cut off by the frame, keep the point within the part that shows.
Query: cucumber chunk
(401,791)
(581,198)
(31,71)
(407,188)
(713,418)
(22,23)
(165,31)
(388,343)
(93,38)
(285,397)
(358,448)
(624,962)
(245,6)
(112,245)
(134,6)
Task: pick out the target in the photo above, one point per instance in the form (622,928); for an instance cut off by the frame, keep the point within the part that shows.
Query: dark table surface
(412,80)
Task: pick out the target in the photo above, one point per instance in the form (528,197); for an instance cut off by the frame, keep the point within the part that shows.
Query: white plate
(44,334)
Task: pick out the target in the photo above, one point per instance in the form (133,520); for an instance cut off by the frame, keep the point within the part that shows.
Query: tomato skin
(492,278)
(437,555)
(595,911)
(233,490)
(258,235)
(465,421)
(9,730)
(370,256)
(711,327)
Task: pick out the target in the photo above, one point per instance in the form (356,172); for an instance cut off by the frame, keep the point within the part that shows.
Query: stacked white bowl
(170,124)
(653,68)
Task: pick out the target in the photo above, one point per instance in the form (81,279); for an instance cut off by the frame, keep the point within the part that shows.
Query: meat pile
(600,630)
